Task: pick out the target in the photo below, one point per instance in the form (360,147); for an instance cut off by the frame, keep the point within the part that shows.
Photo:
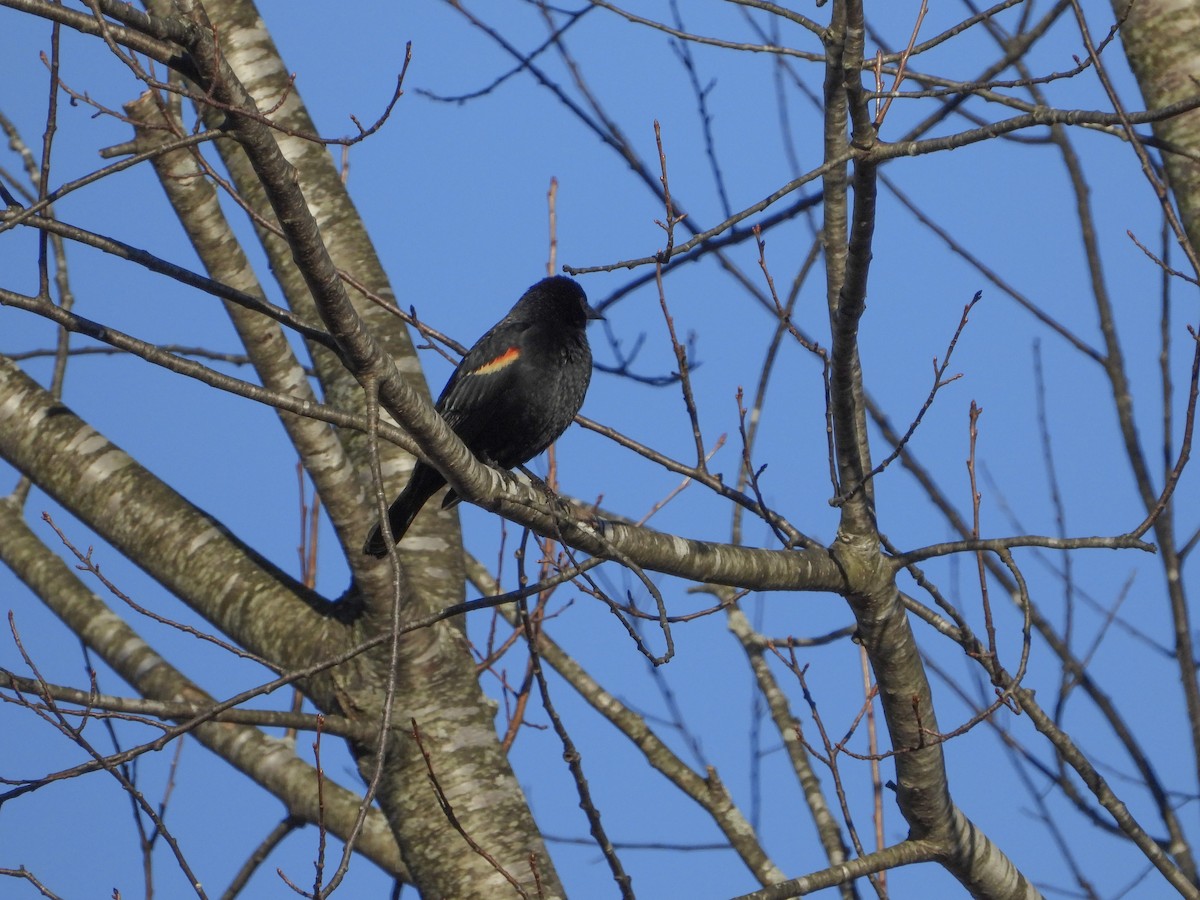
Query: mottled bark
(270,762)
(433,673)
(1160,39)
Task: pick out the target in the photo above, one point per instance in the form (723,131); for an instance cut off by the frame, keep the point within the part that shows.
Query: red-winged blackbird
(513,393)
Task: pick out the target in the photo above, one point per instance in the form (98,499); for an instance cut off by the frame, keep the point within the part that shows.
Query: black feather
(513,393)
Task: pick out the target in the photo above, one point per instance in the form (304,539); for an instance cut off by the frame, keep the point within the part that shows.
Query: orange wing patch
(506,358)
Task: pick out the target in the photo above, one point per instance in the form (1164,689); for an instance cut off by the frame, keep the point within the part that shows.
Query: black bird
(513,393)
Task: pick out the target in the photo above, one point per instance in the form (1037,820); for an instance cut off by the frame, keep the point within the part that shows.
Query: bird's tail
(424,483)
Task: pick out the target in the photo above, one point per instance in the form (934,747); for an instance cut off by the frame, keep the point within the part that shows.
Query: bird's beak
(591,312)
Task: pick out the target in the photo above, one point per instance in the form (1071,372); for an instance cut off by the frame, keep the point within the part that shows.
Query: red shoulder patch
(506,358)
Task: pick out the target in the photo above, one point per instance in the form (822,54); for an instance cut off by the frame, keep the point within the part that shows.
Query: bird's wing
(484,376)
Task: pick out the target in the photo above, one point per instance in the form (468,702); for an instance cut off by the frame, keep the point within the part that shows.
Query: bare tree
(958,671)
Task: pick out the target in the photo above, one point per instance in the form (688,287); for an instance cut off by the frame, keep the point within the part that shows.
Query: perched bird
(513,393)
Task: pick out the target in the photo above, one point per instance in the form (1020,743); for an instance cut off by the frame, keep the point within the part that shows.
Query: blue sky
(454,196)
